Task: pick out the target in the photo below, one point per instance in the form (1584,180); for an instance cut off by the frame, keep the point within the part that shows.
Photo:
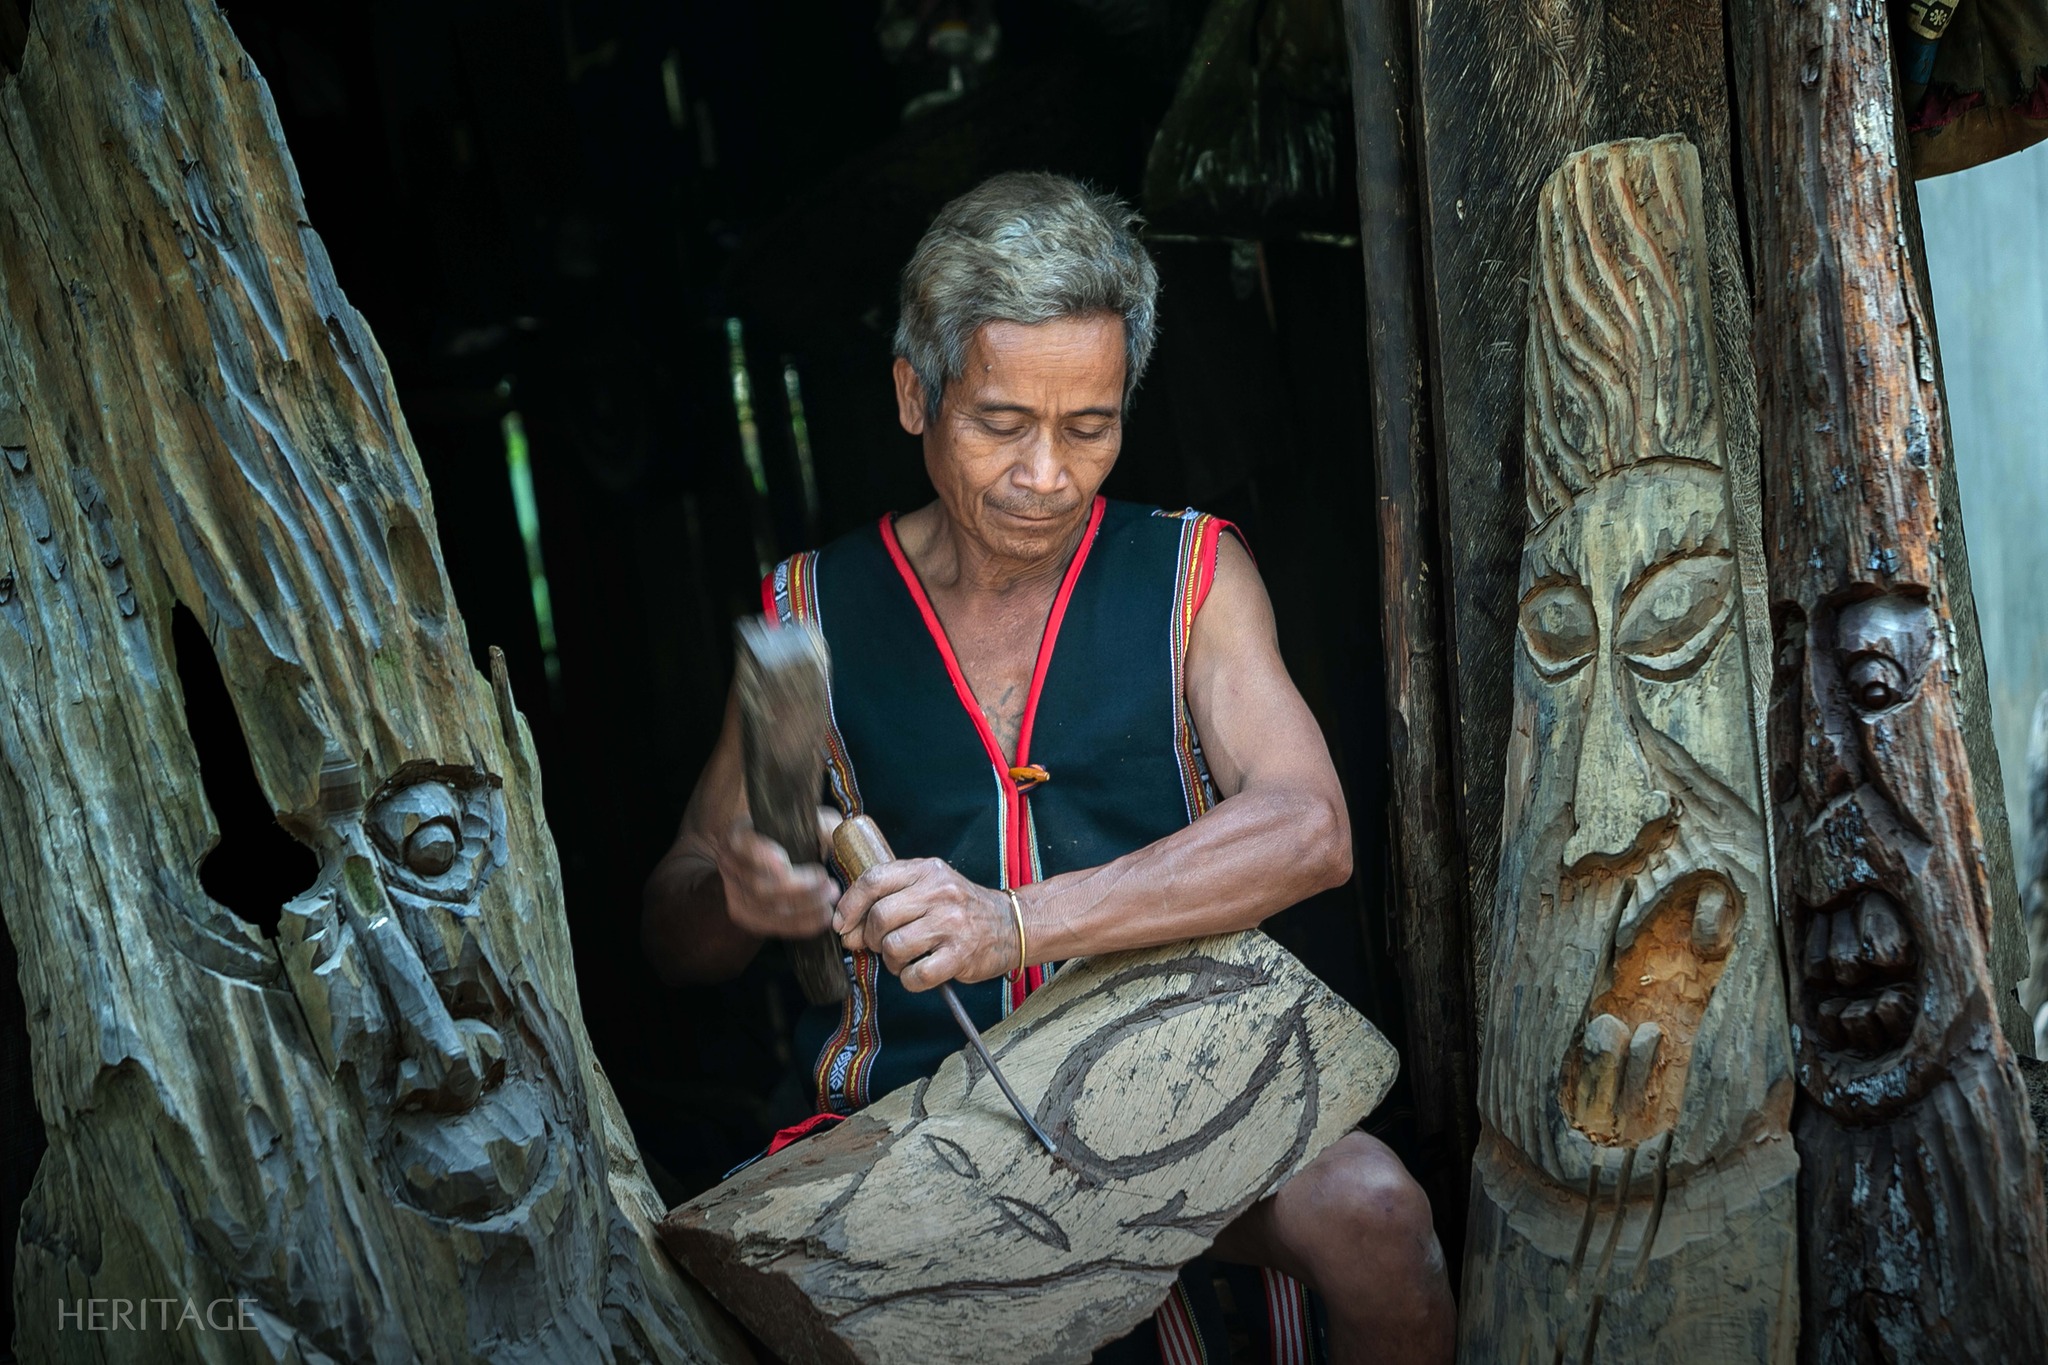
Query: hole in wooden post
(255,866)
(13,34)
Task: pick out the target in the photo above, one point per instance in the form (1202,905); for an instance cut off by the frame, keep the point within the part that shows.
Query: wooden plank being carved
(1181,1084)
(382,1129)
(1920,1189)
(1633,1194)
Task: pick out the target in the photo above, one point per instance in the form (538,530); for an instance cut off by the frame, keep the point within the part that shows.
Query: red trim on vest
(768,598)
(1205,557)
(1017,860)
(1052,631)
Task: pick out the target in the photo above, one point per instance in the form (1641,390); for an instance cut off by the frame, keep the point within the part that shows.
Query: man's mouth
(1035,516)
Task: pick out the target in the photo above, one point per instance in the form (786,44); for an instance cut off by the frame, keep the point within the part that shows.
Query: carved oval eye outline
(1886,644)
(1675,615)
(1559,629)
(435,834)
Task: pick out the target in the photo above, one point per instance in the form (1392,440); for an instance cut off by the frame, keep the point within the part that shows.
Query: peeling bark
(1921,1186)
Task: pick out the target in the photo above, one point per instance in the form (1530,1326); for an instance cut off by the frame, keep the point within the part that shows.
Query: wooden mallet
(779,675)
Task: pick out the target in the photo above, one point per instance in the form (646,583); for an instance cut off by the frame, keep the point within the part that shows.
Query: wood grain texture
(1633,1196)
(1972,684)
(1181,1085)
(383,1128)
(2034,875)
(1432,931)
(1506,92)
(1921,1189)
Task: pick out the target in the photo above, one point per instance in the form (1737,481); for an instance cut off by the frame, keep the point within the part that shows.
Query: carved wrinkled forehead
(1619,368)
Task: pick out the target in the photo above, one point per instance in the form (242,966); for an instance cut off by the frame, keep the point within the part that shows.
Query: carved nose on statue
(1614,799)
(444,1063)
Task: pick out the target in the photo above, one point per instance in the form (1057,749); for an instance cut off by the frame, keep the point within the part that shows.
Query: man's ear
(909,398)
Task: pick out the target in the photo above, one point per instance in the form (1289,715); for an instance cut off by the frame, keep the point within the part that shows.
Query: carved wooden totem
(1633,1194)
(1920,1187)
(1181,1085)
(383,1128)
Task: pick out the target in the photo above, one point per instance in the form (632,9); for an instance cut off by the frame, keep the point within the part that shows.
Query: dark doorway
(634,266)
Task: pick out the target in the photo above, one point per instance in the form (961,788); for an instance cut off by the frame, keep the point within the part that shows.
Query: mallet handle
(859,845)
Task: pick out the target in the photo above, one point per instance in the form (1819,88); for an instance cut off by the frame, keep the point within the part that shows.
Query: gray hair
(1024,247)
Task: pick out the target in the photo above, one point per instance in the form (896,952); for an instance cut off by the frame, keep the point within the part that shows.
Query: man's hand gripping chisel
(859,844)
(784,718)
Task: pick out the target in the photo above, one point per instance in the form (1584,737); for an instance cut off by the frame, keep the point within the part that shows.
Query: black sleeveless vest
(1107,758)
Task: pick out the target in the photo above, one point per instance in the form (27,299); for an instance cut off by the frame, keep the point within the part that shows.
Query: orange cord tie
(1029,776)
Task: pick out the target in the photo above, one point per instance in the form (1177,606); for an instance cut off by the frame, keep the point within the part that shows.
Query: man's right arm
(722,888)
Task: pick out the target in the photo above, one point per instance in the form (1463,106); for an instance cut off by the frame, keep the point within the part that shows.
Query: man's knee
(1364,1201)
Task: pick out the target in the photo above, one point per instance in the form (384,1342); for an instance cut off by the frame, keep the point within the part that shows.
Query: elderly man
(1073,713)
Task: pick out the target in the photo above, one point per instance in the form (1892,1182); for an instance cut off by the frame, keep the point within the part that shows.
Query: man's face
(1027,434)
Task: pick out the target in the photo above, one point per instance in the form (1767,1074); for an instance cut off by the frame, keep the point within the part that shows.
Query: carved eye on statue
(1675,615)
(430,850)
(1876,683)
(1885,644)
(438,832)
(1558,628)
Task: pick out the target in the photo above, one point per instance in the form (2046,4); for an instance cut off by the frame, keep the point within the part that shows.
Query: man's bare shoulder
(1237,614)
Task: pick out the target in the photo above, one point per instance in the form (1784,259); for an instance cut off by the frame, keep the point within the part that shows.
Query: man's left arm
(1279,835)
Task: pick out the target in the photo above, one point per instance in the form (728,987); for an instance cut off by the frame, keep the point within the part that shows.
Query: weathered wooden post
(383,1129)
(1921,1190)
(1633,1193)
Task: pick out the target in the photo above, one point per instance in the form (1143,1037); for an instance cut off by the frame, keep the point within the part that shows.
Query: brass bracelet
(1017,910)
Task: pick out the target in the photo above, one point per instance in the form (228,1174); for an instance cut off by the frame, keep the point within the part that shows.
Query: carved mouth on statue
(473,1165)
(1861,970)
(1625,1079)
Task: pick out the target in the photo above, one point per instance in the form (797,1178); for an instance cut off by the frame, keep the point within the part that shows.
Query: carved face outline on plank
(1873,1007)
(403,991)
(1634,952)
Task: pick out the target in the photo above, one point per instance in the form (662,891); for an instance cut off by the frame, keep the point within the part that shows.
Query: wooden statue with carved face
(1633,1199)
(379,1135)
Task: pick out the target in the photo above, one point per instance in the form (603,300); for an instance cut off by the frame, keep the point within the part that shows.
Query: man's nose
(1614,799)
(1040,468)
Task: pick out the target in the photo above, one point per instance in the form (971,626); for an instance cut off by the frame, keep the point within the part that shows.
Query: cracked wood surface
(1181,1084)
(383,1128)
(1922,1230)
